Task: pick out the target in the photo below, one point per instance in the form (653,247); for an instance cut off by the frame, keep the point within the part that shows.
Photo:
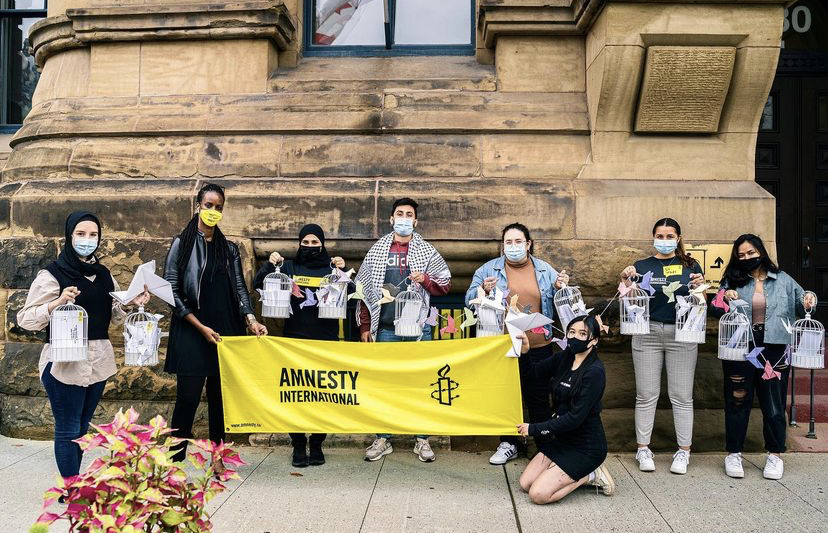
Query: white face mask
(84,247)
(403,226)
(514,252)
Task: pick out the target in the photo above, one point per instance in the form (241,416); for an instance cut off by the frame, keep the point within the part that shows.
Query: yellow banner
(455,387)
(307,281)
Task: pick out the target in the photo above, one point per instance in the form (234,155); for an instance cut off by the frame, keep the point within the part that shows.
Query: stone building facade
(585,119)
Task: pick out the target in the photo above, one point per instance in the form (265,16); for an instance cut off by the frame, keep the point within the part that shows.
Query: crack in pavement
(779,481)
(373,489)
(248,476)
(617,458)
(512,497)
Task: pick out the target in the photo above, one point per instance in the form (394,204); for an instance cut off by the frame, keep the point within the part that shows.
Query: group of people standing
(212,300)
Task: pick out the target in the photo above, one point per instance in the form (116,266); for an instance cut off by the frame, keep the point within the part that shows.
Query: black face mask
(308,253)
(577,345)
(749,265)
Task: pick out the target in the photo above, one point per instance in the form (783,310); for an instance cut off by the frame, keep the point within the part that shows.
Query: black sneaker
(300,458)
(316,456)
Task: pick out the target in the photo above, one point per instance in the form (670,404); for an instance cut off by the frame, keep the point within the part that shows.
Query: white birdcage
(275,294)
(635,312)
(568,301)
(332,297)
(490,314)
(808,342)
(142,336)
(691,319)
(734,335)
(68,334)
(408,306)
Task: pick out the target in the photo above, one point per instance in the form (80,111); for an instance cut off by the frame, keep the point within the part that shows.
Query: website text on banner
(458,387)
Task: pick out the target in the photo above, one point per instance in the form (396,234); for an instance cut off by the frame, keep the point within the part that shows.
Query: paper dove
(296,291)
(700,289)
(517,323)
(683,306)
(470,319)
(670,289)
(386,297)
(580,308)
(560,342)
(481,297)
(344,277)
(787,354)
(753,355)
(359,293)
(604,328)
(450,327)
(513,302)
(623,289)
(787,324)
(431,319)
(644,284)
(770,373)
(310,299)
(719,301)
(145,275)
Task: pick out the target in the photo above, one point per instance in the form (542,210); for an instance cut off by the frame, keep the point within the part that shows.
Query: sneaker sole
(609,490)
(380,456)
(773,477)
(735,476)
(646,469)
(504,462)
(678,472)
(420,457)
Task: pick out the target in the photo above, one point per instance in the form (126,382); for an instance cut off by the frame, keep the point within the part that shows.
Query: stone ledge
(165,22)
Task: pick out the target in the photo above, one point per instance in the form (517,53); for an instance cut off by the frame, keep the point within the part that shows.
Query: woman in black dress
(211,301)
(572,445)
(311,264)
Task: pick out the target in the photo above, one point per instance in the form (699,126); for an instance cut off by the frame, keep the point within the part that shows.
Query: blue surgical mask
(515,252)
(403,226)
(85,247)
(665,246)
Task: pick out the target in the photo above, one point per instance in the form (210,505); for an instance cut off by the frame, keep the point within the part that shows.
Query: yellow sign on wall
(713,259)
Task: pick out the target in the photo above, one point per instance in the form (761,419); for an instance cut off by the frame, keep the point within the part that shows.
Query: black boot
(300,457)
(316,456)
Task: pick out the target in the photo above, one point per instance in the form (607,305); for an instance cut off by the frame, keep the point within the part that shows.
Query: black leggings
(535,392)
(187,398)
(741,380)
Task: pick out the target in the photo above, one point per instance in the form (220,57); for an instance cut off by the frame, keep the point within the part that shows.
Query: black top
(94,297)
(576,418)
(303,323)
(666,271)
(188,352)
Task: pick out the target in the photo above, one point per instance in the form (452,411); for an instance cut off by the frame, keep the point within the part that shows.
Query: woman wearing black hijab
(311,264)
(74,389)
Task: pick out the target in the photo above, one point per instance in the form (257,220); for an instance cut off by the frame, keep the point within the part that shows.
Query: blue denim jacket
(783,299)
(544,273)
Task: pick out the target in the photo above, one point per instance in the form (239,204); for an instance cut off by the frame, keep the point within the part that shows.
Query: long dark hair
(594,329)
(733,275)
(521,228)
(685,259)
(190,232)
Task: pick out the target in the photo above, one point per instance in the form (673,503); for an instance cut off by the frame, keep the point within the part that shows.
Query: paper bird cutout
(604,328)
(386,297)
(579,308)
(684,305)
(787,354)
(344,277)
(787,324)
(359,293)
(560,342)
(506,292)
(753,355)
(513,301)
(670,289)
(719,301)
(623,289)
(700,289)
(296,291)
(527,308)
(770,373)
(481,297)
(310,299)
(470,319)
(644,284)
(450,327)
(431,319)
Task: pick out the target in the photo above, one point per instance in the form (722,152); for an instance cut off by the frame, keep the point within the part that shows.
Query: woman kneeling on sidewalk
(572,445)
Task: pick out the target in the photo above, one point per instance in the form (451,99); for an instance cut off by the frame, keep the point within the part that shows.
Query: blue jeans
(387,335)
(72,407)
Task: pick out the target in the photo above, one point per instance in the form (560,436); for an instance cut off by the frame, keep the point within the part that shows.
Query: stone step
(803,381)
(379,73)
(803,407)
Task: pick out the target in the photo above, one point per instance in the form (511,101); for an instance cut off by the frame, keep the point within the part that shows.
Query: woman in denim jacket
(772,299)
(535,282)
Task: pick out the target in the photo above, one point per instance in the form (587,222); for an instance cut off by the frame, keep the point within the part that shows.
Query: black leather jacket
(186,288)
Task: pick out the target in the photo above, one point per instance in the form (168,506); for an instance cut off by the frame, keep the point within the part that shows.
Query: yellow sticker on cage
(672,270)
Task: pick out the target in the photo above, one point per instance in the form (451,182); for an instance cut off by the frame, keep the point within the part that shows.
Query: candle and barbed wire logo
(445,386)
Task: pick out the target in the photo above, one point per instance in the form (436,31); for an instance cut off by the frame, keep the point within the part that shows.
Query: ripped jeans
(741,379)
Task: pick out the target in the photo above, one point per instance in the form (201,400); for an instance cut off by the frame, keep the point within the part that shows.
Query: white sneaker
(505,452)
(644,456)
(680,461)
(773,467)
(733,466)
(423,450)
(603,480)
(381,447)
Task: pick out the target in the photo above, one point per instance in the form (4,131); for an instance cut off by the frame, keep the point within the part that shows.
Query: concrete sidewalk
(461,492)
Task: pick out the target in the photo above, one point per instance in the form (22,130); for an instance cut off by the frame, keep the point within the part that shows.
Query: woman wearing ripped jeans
(772,298)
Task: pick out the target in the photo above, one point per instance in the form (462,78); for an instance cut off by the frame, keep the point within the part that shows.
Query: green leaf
(172,517)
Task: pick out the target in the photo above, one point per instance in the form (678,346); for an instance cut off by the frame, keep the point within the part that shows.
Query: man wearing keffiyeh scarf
(397,259)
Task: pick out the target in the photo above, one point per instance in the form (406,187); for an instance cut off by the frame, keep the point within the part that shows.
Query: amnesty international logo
(445,386)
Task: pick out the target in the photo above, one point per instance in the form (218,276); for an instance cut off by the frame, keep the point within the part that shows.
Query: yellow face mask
(210,217)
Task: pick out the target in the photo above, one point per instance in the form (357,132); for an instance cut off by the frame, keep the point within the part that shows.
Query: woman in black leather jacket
(211,300)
